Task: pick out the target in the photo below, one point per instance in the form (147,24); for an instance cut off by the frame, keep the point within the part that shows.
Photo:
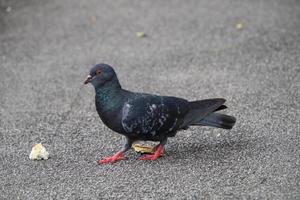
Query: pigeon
(149,117)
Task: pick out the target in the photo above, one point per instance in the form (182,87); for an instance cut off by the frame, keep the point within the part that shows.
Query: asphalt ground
(194,50)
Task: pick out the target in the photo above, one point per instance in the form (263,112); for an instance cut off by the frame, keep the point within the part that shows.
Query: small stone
(39,152)
(93,19)
(8,9)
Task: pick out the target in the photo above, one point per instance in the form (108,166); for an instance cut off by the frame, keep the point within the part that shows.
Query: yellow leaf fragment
(140,34)
(239,26)
(143,149)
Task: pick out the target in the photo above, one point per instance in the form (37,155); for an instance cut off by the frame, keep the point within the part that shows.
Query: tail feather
(202,108)
(217,120)
(222,107)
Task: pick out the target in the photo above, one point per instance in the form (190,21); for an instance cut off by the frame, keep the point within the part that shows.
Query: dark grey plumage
(140,116)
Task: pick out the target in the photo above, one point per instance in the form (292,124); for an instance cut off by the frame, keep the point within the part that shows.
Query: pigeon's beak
(88,79)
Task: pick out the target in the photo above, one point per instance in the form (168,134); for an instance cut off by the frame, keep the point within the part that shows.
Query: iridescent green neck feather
(108,96)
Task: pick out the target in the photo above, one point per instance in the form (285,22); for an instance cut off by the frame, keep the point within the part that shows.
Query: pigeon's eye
(98,72)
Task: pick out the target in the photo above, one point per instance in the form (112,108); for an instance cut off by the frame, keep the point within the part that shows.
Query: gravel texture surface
(193,49)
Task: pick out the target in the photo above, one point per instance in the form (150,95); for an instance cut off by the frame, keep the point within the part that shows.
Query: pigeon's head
(100,75)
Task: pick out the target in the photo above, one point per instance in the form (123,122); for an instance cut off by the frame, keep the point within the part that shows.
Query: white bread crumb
(39,152)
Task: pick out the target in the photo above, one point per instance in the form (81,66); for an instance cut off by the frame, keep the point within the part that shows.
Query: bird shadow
(221,150)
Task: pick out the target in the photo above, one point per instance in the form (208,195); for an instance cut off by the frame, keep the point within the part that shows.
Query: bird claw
(158,153)
(112,159)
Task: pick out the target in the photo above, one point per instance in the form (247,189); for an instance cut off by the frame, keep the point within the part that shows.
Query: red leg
(118,156)
(158,153)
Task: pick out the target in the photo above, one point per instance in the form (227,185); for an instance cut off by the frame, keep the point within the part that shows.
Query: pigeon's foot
(118,156)
(158,153)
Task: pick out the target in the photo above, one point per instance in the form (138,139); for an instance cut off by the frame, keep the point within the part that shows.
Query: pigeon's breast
(110,116)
